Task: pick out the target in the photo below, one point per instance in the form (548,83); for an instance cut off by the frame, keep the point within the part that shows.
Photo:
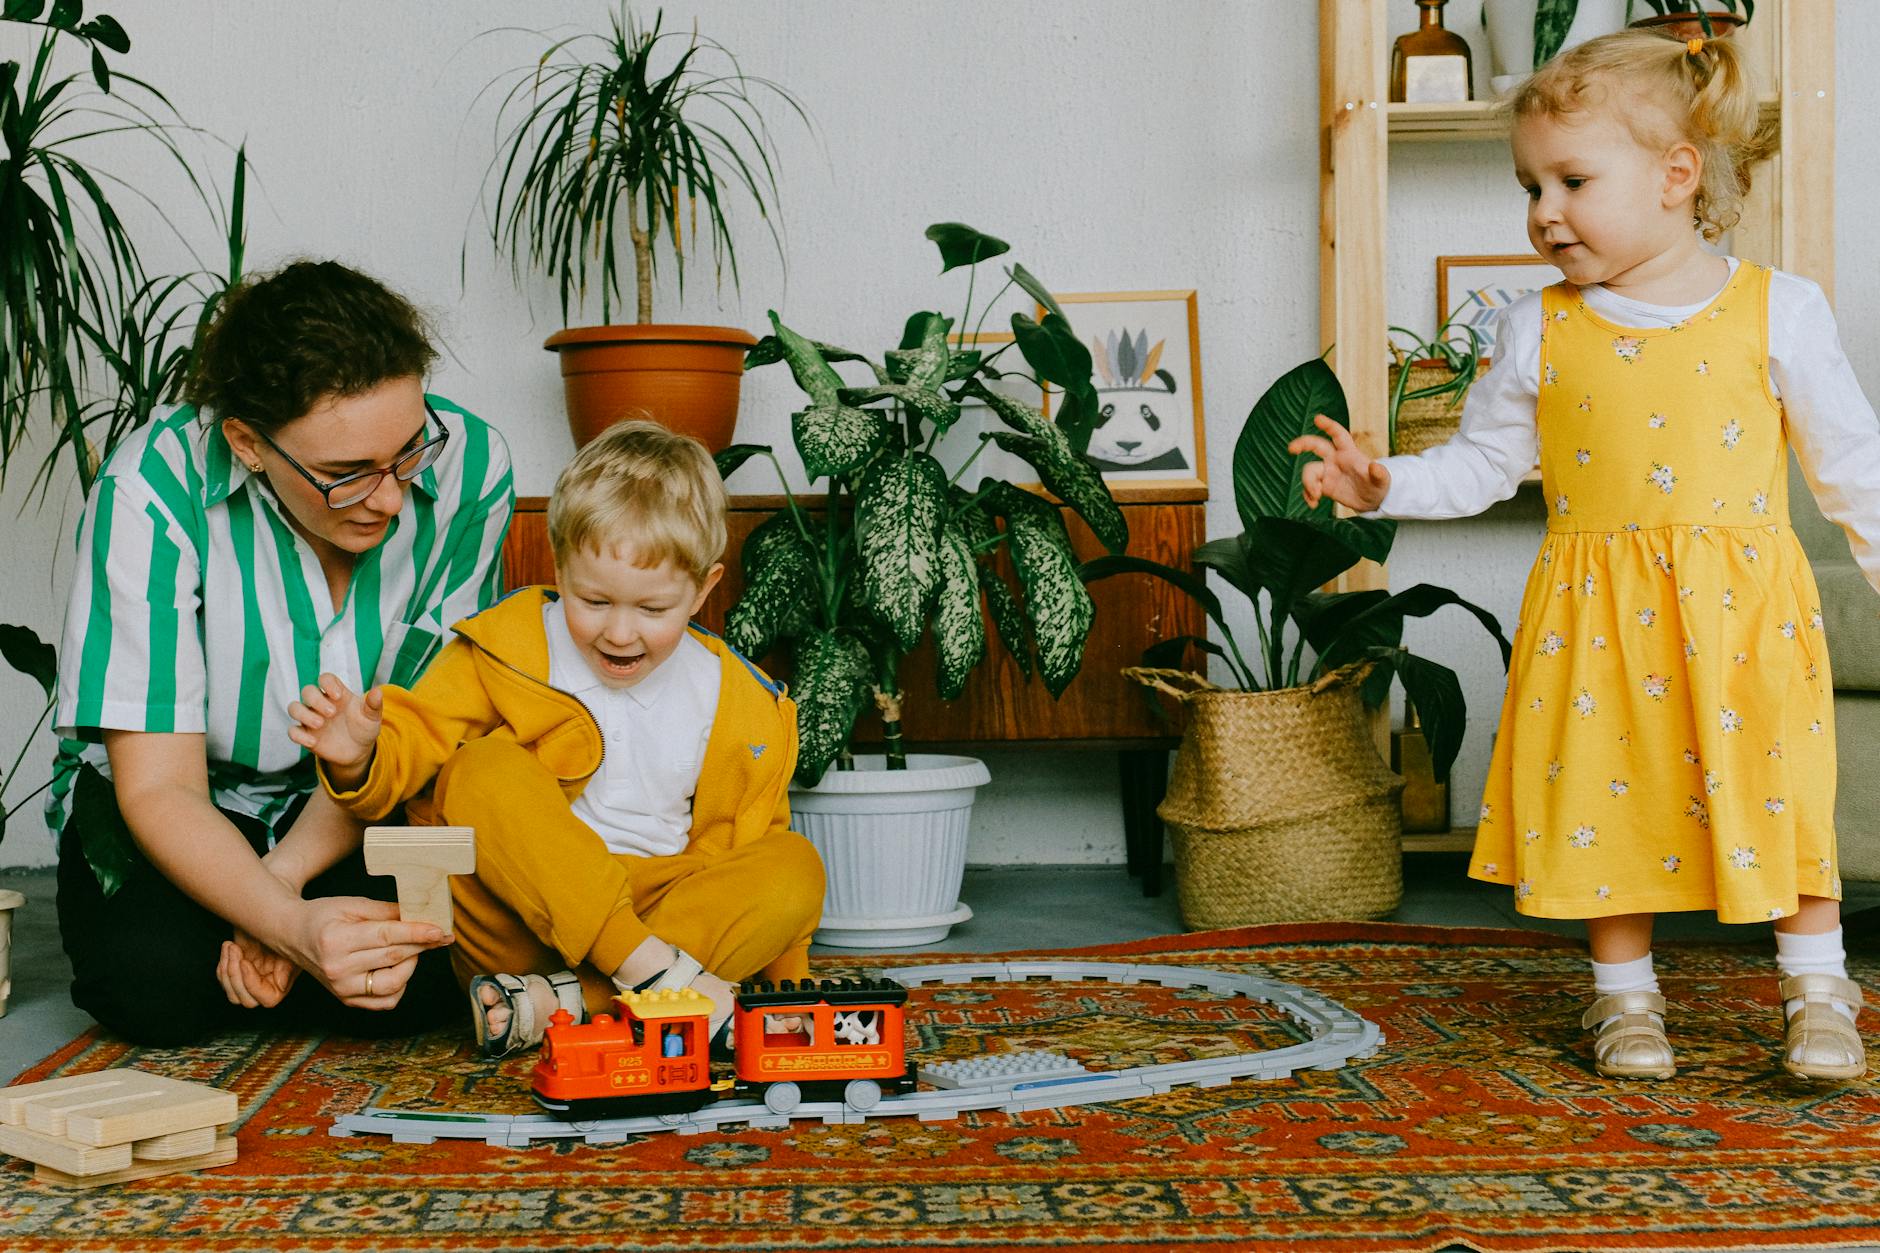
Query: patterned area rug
(1480,1123)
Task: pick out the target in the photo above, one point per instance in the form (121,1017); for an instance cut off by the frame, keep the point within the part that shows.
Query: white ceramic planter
(1511,34)
(9,901)
(893,844)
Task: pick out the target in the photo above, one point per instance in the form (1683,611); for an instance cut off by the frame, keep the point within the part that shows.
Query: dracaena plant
(899,546)
(616,137)
(1286,553)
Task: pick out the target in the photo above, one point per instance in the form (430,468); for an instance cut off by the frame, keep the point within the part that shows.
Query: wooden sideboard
(1100,709)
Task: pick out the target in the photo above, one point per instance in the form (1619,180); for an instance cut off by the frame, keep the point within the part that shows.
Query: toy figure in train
(833,1039)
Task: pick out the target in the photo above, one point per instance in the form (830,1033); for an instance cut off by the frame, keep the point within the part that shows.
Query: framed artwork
(1473,291)
(1150,442)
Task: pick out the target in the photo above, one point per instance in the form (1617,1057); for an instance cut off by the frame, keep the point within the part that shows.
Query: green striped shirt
(196,608)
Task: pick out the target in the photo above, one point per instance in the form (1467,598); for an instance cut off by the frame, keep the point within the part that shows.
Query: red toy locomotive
(833,1039)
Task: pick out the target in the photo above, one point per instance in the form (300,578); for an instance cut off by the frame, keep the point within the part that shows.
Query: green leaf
(1057,604)
(1381,624)
(22,649)
(1053,350)
(959,628)
(1289,558)
(1068,476)
(1008,618)
(65,13)
(100,72)
(897,525)
(812,372)
(926,403)
(1437,695)
(922,358)
(781,585)
(1228,558)
(1323,615)
(837,439)
(1551,20)
(106,841)
(736,455)
(1036,290)
(832,681)
(24,10)
(104,29)
(1267,477)
(769,351)
(962,245)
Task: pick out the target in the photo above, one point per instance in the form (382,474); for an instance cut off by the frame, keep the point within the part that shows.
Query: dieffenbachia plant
(900,546)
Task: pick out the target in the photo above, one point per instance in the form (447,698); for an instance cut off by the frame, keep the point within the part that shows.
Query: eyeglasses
(346,492)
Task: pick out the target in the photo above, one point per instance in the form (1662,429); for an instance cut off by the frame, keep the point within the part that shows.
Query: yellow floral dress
(1667,738)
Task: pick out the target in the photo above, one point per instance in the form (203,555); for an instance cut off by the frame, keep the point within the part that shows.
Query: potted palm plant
(1279,806)
(78,298)
(898,549)
(612,139)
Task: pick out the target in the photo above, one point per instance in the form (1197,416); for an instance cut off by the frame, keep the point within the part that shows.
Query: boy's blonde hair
(1667,91)
(646,490)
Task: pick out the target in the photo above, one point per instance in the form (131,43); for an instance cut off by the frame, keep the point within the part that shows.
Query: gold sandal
(1629,1036)
(1823,1042)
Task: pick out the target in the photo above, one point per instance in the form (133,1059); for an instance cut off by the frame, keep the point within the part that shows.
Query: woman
(309,509)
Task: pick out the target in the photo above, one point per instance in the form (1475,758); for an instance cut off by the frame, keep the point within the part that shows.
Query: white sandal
(522,1031)
(1820,1041)
(1629,1036)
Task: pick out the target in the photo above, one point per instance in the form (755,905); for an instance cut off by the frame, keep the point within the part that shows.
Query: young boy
(627,773)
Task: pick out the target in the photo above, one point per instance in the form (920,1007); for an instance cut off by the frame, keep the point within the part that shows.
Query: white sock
(1821,954)
(1633,976)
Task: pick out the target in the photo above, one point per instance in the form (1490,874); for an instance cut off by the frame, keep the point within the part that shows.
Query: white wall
(1116,146)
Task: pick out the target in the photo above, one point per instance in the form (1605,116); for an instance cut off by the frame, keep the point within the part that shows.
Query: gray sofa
(1850,609)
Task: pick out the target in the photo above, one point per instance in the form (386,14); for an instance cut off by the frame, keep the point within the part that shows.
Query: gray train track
(1032,1081)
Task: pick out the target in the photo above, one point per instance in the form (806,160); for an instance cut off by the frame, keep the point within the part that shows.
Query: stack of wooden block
(113,1126)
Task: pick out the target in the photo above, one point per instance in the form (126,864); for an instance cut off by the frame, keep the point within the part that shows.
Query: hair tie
(1694,46)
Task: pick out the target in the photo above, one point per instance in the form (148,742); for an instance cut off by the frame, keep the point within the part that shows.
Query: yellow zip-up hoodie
(492,679)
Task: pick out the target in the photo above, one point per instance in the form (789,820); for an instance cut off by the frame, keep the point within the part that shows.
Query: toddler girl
(1667,738)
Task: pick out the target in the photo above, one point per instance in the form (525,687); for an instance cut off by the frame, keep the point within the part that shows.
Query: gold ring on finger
(369,991)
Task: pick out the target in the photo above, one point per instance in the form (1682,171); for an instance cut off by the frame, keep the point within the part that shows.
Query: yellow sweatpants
(548,895)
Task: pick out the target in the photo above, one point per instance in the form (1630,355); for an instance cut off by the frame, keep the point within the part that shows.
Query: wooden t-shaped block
(422,859)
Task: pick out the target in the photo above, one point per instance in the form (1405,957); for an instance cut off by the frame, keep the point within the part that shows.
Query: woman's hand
(1342,472)
(253,975)
(337,726)
(359,948)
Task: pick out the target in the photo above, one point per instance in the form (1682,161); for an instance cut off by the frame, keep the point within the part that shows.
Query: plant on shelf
(608,142)
(1440,369)
(900,550)
(1277,791)
(901,546)
(77,294)
(1685,18)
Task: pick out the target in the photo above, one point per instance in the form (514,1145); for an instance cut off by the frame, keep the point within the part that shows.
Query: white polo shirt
(653,738)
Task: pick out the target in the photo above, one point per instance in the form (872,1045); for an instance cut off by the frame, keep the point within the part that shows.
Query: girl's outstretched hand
(1342,471)
(338,726)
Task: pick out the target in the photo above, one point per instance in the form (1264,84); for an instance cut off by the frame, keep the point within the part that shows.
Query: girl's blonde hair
(643,489)
(1667,91)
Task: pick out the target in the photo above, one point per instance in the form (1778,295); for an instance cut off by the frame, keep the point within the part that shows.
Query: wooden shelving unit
(1788,220)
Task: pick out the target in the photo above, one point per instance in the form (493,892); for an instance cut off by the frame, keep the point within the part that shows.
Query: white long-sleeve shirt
(1833,428)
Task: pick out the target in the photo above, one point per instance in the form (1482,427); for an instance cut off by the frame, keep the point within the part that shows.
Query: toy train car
(834,1039)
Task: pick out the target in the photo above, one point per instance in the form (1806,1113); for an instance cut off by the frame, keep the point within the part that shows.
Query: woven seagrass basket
(1278,806)
(1428,420)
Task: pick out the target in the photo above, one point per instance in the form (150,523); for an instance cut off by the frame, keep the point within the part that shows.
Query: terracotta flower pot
(685,377)
(1686,25)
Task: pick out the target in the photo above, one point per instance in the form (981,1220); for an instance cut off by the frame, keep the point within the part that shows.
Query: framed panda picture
(1150,439)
